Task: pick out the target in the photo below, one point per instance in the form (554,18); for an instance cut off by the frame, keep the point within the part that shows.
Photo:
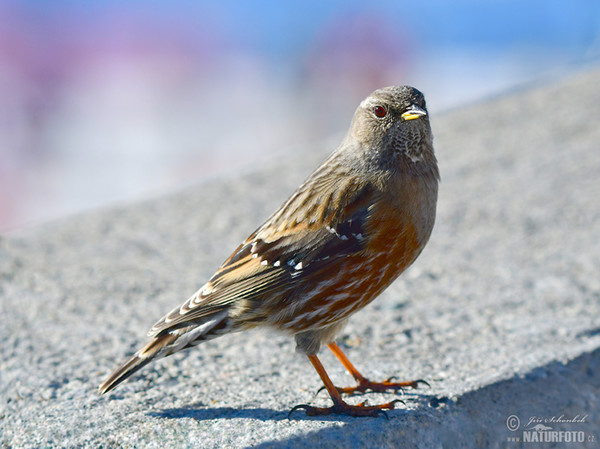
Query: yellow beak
(413,112)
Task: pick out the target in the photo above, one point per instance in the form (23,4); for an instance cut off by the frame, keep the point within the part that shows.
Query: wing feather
(307,233)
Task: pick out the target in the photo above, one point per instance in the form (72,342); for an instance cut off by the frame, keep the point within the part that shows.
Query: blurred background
(111,101)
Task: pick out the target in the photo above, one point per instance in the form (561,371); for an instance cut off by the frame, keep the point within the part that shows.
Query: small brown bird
(348,231)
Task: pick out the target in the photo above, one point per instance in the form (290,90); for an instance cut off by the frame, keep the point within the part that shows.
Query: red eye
(379,111)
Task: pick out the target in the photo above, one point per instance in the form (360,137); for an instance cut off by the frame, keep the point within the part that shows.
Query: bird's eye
(379,111)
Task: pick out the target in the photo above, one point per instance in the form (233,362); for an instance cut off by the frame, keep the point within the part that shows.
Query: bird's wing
(307,232)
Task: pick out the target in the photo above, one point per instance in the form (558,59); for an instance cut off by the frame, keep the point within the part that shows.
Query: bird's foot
(342,408)
(365,385)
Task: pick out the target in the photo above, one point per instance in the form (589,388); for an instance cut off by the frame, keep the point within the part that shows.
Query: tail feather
(136,362)
(167,343)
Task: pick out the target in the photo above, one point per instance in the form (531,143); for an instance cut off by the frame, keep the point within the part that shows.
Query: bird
(350,229)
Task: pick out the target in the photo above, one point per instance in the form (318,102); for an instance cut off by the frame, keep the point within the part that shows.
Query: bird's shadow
(201,412)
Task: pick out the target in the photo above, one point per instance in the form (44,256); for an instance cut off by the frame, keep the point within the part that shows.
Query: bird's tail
(137,361)
(166,343)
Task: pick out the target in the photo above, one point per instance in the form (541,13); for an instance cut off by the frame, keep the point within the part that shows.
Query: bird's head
(392,124)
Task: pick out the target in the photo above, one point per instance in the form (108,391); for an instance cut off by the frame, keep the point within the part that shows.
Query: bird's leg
(339,406)
(365,384)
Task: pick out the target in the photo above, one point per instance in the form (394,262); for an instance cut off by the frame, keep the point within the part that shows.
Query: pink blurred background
(102,102)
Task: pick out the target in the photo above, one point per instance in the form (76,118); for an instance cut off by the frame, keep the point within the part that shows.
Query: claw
(298,407)
(397,400)
(422,381)
(319,390)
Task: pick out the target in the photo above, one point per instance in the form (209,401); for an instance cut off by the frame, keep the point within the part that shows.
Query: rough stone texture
(501,313)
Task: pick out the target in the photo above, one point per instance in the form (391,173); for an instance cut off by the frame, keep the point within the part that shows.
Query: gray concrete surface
(501,314)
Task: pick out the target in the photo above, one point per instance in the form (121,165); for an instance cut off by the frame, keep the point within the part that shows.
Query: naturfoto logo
(540,429)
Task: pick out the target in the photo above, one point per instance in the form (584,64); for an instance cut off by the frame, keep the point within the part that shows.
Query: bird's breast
(398,228)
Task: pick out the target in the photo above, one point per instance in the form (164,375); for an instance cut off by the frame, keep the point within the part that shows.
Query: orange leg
(339,406)
(365,384)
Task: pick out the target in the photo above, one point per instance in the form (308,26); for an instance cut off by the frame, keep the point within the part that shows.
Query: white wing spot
(298,266)
(264,262)
(276,263)
(344,237)
(254,256)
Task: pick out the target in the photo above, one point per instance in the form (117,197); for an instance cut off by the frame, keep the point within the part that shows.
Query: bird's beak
(413,112)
